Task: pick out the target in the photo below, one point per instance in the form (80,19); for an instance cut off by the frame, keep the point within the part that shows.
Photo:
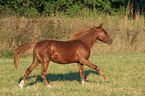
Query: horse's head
(102,35)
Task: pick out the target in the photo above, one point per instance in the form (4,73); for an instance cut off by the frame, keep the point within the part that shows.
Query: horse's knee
(97,68)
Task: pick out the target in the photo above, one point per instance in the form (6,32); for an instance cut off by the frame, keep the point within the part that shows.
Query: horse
(76,50)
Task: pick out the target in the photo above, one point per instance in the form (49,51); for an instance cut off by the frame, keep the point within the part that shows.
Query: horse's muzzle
(110,41)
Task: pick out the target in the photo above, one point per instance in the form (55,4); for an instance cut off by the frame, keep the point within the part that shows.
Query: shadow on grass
(60,77)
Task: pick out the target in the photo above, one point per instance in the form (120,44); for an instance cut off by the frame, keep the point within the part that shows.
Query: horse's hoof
(106,81)
(48,86)
(21,87)
(83,82)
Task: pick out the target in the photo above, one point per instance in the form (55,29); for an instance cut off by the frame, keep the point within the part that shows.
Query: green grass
(124,71)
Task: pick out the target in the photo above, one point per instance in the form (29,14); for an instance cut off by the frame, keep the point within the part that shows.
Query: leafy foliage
(51,7)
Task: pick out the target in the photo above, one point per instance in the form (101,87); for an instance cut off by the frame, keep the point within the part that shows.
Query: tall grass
(128,33)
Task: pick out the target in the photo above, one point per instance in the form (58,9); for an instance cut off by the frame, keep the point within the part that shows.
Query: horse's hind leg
(28,71)
(44,66)
(81,69)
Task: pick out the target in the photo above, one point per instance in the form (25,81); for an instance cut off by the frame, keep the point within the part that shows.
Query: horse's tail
(20,50)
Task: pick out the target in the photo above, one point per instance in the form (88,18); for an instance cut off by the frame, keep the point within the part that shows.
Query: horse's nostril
(110,41)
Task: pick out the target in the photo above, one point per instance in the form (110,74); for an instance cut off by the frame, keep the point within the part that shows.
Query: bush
(70,7)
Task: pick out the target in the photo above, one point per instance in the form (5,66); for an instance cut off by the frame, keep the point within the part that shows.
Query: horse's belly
(64,58)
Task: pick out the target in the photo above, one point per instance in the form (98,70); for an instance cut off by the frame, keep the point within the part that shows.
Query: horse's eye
(105,33)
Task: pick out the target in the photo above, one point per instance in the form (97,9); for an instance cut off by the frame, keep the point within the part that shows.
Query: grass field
(126,74)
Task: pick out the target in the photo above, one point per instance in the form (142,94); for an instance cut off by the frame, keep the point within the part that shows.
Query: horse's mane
(81,32)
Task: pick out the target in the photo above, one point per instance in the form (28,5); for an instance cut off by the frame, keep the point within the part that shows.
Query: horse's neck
(89,39)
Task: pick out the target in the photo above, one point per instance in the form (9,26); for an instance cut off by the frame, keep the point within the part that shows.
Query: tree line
(68,7)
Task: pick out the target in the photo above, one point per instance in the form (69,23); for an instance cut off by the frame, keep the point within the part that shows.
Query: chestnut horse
(76,50)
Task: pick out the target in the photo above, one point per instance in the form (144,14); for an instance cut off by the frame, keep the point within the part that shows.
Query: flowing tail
(20,50)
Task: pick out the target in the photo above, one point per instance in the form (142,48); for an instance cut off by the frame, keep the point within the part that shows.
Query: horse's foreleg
(88,63)
(81,69)
(28,71)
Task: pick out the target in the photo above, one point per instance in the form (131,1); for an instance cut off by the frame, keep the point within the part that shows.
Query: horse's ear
(100,26)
